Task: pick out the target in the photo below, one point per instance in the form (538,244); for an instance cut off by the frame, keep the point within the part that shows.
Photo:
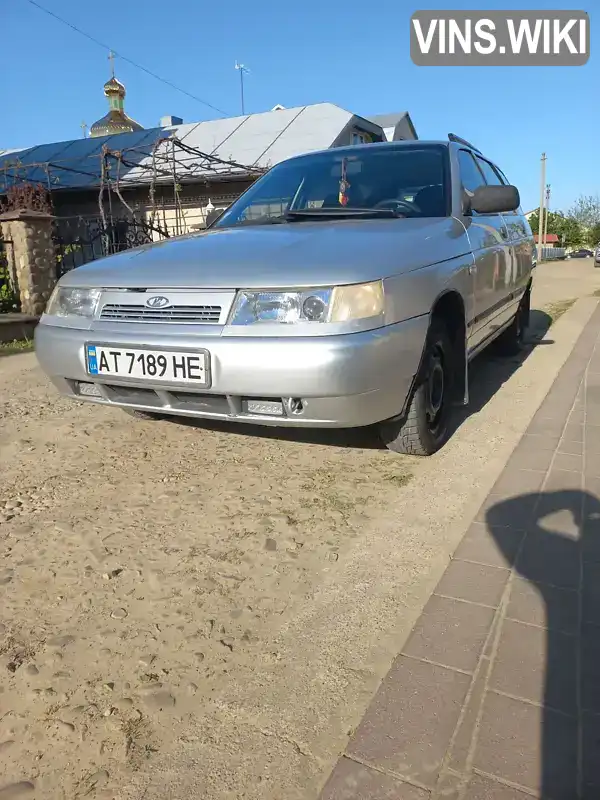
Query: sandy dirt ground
(194,612)
(152,576)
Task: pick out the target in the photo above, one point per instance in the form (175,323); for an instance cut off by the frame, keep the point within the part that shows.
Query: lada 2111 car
(349,287)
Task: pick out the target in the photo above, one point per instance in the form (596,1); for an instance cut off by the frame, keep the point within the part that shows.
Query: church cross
(111,58)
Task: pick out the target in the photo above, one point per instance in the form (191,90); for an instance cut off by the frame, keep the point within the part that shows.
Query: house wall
(357,133)
(189,215)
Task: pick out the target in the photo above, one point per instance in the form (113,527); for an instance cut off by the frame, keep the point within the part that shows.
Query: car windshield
(387,181)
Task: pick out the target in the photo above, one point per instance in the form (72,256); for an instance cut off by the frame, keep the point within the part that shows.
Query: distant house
(551,239)
(396,126)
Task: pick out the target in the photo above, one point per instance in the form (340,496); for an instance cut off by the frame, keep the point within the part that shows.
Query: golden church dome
(113,86)
(116,121)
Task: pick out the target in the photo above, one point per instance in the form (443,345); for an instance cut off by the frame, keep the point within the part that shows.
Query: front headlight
(335,304)
(67,302)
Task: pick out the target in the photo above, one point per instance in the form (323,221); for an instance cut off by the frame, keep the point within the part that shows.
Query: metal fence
(79,240)
(550,253)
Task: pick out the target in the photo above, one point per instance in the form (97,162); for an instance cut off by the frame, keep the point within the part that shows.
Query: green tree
(555,221)
(572,234)
(586,210)
(568,229)
(593,237)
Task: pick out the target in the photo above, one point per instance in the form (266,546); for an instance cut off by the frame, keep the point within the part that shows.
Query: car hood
(298,254)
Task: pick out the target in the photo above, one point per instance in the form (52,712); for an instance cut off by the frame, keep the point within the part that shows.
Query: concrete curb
(17,326)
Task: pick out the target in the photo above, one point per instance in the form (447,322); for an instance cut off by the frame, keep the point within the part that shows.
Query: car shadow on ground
(487,374)
(555,665)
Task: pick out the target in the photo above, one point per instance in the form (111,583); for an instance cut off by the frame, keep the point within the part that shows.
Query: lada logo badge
(158,302)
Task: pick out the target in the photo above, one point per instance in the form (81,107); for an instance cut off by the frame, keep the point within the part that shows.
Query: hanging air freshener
(344,185)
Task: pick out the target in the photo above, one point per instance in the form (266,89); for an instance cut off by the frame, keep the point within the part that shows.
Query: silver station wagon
(349,287)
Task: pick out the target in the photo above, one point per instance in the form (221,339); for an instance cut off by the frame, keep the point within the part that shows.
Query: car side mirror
(495,199)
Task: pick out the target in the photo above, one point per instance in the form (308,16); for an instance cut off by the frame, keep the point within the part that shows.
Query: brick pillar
(31,256)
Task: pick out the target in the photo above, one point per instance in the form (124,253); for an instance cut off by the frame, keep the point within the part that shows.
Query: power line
(124,58)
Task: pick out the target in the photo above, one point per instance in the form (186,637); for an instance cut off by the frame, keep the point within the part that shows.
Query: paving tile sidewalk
(496,694)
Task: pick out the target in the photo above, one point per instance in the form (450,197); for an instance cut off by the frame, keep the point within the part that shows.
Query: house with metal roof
(396,126)
(178,172)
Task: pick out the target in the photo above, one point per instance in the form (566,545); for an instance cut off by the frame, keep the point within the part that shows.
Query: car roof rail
(454,138)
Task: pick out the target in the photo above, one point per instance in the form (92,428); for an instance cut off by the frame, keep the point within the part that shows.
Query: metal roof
(255,140)
(397,121)
(5,152)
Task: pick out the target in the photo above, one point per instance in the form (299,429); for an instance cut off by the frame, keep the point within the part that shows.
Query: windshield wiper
(297,215)
(325,213)
(262,221)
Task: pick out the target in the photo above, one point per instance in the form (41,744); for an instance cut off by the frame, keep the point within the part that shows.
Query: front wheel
(425,428)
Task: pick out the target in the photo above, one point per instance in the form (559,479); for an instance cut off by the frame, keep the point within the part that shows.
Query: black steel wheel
(425,427)
(510,341)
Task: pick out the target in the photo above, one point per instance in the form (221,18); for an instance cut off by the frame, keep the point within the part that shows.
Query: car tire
(510,341)
(134,412)
(425,427)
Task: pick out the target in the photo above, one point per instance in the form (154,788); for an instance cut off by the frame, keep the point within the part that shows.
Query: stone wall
(31,257)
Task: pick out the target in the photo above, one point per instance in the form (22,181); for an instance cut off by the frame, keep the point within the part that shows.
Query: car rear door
(489,240)
(520,239)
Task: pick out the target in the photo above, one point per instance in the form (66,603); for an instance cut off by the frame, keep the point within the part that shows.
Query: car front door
(490,244)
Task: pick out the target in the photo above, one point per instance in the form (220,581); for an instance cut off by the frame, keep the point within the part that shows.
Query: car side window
(470,174)
(492,177)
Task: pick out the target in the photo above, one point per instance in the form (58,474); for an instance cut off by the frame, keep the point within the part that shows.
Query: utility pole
(541,215)
(547,214)
(241,69)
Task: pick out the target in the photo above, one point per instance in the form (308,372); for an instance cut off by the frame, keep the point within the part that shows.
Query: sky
(340,51)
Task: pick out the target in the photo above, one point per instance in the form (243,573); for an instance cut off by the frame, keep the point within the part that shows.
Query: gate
(79,240)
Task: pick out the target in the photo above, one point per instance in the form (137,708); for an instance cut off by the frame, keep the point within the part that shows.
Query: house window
(360,138)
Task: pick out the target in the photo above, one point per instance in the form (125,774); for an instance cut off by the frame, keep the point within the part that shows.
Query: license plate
(147,365)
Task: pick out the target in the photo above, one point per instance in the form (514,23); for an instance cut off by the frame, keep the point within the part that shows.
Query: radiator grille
(179,314)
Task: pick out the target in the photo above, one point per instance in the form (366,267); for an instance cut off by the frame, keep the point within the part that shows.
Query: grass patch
(16,346)
(556,310)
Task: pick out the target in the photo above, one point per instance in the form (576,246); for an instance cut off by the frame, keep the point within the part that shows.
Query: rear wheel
(510,342)
(425,428)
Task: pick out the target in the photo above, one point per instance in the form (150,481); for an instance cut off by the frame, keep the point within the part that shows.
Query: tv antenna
(241,69)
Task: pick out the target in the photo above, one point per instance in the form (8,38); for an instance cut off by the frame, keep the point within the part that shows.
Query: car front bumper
(348,380)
